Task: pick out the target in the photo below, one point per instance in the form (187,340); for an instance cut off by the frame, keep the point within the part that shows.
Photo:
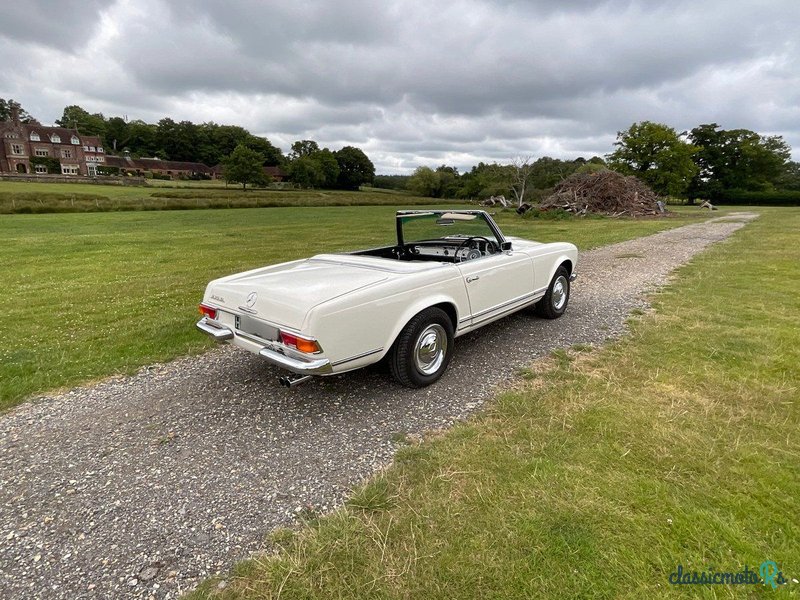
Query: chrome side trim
(508,311)
(503,305)
(514,304)
(215,329)
(319,366)
(356,357)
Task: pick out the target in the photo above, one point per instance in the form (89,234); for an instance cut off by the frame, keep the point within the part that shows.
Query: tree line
(524,179)
(308,166)
(706,162)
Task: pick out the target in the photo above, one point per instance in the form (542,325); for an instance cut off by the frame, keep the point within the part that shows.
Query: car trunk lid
(284,294)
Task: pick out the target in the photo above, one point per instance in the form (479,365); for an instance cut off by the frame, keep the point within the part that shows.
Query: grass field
(38,198)
(601,471)
(89,295)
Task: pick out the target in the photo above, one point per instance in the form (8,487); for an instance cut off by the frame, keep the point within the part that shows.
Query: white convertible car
(450,272)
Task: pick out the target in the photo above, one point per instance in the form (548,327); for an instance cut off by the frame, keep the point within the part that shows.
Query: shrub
(768,198)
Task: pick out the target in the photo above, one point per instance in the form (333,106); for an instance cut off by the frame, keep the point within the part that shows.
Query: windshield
(419,227)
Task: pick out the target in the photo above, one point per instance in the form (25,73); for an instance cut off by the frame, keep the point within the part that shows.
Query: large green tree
(6,107)
(244,166)
(736,159)
(355,168)
(424,182)
(306,172)
(302,148)
(78,118)
(656,154)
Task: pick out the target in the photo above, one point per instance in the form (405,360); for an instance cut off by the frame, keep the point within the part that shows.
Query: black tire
(407,358)
(556,298)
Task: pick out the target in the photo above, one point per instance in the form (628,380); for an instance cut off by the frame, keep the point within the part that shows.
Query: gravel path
(140,486)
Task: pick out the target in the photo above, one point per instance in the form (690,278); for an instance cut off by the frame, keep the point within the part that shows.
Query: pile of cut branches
(605,193)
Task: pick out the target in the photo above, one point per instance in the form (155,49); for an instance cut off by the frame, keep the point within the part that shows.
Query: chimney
(15,113)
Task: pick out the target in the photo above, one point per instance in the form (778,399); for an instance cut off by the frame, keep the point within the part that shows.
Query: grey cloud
(463,80)
(62,24)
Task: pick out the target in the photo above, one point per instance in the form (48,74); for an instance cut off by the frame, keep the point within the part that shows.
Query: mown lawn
(39,197)
(89,295)
(601,471)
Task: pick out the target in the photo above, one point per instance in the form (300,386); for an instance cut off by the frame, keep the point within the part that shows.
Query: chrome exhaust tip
(291,381)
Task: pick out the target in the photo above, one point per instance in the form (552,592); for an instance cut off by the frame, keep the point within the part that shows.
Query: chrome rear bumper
(319,366)
(221,333)
(215,329)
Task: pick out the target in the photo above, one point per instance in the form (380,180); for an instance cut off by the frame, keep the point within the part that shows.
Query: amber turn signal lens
(208,311)
(309,346)
(302,344)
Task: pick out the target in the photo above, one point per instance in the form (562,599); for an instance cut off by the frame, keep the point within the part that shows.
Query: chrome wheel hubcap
(560,292)
(430,349)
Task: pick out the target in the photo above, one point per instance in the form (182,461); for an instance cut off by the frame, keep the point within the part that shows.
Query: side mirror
(505,246)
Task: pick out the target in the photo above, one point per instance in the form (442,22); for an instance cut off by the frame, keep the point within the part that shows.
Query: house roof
(45,132)
(25,130)
(148,164)
(171,165)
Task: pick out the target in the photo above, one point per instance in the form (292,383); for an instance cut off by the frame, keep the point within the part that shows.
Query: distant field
(23,197)
(94,294)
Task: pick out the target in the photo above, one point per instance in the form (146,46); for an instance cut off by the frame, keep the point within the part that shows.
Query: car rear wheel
(422,351)
(555,300)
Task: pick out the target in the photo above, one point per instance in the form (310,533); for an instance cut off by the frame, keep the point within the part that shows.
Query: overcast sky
(414,82)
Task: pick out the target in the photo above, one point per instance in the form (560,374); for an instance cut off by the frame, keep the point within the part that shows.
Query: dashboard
(453,250)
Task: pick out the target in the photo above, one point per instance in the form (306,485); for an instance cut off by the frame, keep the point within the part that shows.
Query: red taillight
(208,311)
(301,343)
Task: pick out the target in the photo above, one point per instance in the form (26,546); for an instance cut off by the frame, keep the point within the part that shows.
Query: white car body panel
(355,306)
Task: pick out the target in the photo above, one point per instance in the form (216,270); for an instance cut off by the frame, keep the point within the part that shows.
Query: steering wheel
(462,253)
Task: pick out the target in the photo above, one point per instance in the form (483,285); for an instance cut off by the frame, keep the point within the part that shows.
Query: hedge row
(774,198)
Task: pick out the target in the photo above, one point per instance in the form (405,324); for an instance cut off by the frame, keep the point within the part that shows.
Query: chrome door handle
(473,278)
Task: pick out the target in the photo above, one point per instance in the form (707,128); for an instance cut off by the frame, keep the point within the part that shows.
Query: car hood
(285,293)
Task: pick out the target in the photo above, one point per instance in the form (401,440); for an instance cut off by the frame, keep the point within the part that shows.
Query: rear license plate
(249,325)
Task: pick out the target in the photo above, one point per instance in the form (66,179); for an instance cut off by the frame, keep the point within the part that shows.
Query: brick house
(33,148)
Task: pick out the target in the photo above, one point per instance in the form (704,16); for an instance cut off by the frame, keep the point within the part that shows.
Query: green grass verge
(37,198)
(88,295)
(602,471)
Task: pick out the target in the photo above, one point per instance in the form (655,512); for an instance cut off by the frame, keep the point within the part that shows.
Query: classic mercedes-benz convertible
(450,272)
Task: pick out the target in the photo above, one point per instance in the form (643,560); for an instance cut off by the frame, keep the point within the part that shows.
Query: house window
(75,140)
(69,169)
(35,137)
(66,153)
(100,149)
(92,170)
(41,152)
(11,135)
(100,158)
(56,139)
(40,169)
(16,149)
(86,148)
(91,148)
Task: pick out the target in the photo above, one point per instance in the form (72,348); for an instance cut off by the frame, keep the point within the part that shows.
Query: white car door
(497,284)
